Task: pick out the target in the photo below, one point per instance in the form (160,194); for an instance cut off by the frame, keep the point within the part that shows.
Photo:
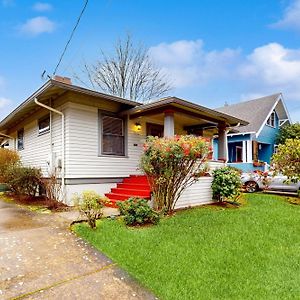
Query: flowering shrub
(136,211)
(287,159)
(173,164)
(226,183)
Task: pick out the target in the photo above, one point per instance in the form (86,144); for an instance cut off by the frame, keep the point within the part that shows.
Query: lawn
(252,252)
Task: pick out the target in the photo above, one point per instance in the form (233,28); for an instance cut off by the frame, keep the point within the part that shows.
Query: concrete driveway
(41,259)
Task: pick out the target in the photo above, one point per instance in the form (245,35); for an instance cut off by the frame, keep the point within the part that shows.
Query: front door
(155,130)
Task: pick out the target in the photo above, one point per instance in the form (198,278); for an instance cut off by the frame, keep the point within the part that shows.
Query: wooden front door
(155,130)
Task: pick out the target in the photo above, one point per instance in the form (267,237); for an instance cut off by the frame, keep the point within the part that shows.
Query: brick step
(134,186)
(136,192)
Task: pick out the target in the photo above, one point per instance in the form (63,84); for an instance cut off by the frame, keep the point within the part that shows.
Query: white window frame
(45,129)
(273,114)
(18,145)
(124,130)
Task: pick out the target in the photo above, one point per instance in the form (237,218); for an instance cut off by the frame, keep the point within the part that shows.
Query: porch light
(137,126)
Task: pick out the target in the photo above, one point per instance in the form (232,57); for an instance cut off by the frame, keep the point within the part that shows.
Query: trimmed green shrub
(136,211)
(226,183)
(23,180)
(90,205)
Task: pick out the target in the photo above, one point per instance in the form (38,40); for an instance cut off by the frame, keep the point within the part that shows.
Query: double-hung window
(112,135)
(44,124)
(20,139)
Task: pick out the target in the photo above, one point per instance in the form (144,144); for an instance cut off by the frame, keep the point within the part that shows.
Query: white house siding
(83,157)
(200,192)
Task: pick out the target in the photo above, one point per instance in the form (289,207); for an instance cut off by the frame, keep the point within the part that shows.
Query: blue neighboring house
(251,147)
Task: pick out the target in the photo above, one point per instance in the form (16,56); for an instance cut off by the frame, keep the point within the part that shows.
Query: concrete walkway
(41,259)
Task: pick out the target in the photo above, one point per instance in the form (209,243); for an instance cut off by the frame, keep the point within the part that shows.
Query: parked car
(253,182)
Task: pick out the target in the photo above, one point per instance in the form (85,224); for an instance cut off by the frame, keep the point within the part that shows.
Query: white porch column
(169,126)
(222,143)
(249,151)
(244,152)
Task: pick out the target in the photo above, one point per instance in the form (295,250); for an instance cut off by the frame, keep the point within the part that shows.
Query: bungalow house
(251,147)
(94,140)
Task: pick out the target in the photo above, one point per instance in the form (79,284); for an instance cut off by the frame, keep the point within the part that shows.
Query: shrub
(90,205)
(287,159)
(7,158)
(136,211)
(173,164)
(291,131)
(52,187)
(23,180)
(226,183)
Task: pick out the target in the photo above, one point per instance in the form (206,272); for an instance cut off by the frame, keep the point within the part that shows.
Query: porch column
(223,143)
(169,126)
(244,152)
(249,151)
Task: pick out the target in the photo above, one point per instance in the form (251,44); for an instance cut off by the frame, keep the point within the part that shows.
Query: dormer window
(271,120)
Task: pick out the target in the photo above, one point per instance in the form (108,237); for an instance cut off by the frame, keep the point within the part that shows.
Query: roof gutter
(62,139)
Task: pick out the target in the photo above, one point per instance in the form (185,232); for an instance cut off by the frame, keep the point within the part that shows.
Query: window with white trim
(20,139)
(112,135)
(271,120)
(44,124)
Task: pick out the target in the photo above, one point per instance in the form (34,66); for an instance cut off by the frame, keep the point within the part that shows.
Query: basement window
(44,124)
(20,139)
(113,139)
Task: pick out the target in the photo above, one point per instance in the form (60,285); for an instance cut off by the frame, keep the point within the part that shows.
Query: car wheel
(251,186)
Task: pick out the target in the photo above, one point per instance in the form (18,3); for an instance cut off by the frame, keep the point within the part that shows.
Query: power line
(71,36)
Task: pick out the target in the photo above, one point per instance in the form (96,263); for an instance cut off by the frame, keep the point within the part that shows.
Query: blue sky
(214,51)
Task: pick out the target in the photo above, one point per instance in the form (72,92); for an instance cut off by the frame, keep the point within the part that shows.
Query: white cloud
(42,6)
(37,26)
(291,17)
(273,67)
(4,102)
(267,69)
(189,64)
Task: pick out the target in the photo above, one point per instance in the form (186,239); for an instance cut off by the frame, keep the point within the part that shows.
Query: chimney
(62,79)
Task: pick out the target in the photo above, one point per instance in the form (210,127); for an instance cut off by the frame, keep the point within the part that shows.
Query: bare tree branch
(128,73)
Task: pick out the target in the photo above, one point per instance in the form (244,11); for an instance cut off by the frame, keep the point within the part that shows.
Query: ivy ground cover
(252,252)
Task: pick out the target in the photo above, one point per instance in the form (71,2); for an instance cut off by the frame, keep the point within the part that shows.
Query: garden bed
(211,252)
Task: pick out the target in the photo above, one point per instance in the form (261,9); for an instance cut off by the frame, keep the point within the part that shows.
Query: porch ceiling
(191,113)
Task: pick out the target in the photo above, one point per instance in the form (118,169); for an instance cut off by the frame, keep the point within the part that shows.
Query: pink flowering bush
(173,164)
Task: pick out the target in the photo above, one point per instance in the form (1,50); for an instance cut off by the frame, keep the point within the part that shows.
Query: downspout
(62,139)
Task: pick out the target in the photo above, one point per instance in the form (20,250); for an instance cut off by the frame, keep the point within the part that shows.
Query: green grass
(252,252)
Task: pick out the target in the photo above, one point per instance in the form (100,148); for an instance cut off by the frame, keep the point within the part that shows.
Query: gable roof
(55,88)
(256,111)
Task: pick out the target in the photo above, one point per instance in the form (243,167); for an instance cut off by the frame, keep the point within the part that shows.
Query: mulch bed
(39,201)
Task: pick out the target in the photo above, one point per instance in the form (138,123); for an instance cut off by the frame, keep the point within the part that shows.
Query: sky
(213,51)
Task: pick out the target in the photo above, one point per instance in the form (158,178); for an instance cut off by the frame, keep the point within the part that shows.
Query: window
(44,125)
(271,120)
(20,139)
(112,135)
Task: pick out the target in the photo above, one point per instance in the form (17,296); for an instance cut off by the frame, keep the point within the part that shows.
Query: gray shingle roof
(254,111)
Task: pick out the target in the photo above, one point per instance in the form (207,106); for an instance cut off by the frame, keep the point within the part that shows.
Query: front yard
(210,252)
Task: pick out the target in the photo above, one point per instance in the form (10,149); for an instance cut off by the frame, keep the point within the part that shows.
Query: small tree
(129,73)
(173,164)
(288,132)
(90,205)
(287,159)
